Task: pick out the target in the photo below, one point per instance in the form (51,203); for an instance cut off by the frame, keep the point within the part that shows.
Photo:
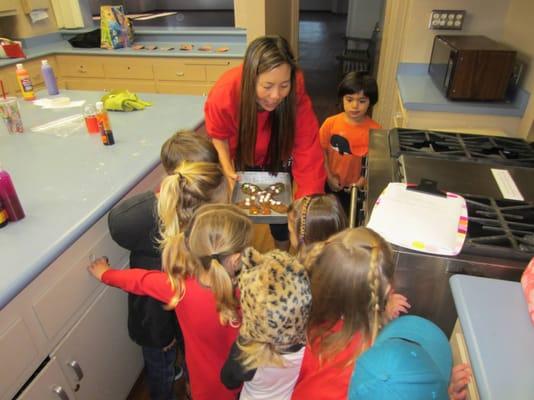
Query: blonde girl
(134,225)
(351,277)
(275,300)
(201,292)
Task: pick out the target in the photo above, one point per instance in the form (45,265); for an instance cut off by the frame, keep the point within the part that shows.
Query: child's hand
(460,377)
(333,183)
(98,267)
(396,304)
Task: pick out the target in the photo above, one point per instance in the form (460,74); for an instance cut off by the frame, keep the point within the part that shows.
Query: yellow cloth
(123,100)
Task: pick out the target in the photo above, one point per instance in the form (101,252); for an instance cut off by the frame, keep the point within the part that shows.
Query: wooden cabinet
(8,8)
(143,74)
(8,76)
(81,67)
(461,356)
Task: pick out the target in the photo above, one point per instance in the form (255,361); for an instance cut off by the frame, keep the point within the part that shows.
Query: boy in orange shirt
(345,136)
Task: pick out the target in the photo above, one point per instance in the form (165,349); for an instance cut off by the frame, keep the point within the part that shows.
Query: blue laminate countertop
(66,183)
(499,335)
(54,43)
(418,92)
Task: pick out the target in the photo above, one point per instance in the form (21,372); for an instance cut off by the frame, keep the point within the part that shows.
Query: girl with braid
(199,266)
(351,277)
(314,218)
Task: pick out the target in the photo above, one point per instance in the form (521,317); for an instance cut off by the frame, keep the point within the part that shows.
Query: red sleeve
(221,107)
(141,282)
(308,163)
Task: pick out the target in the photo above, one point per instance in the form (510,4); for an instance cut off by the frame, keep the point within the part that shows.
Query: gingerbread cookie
(186,47)
(250,188)
(278,206)
(276,188)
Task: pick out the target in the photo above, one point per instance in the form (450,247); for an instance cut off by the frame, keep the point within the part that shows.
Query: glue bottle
(104,125)
(9,197)
(25,83)
(49,78)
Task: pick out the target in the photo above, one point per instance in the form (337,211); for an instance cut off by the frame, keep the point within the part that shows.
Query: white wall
(362,17)
(519,32)
(485,17)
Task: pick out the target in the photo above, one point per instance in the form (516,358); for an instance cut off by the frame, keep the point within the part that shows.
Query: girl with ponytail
(351,277)
(200,268)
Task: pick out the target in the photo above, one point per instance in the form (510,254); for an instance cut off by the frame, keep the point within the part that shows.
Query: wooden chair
(359,54)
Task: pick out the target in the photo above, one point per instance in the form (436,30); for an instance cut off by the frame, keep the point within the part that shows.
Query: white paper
(58,103)
(506,184)
(38,15)
(406,217)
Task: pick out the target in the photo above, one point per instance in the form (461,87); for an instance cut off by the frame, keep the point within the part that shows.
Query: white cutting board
(420,221)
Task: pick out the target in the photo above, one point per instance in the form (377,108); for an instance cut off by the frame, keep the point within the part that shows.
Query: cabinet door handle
(77,369)
(60,392)
(179,73)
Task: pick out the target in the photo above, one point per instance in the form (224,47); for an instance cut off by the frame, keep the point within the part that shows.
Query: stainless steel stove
(461,146)
(500,237)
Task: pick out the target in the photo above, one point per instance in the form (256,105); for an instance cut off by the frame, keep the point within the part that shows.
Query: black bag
(86,40)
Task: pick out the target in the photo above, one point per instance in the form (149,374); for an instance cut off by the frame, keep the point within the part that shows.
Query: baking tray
(263,179)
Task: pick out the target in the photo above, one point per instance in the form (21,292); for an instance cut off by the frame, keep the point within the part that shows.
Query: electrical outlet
(446,19)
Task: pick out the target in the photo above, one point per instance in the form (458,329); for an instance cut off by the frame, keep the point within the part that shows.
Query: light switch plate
(446,19)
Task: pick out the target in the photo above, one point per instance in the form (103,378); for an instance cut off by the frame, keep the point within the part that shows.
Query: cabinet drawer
(213,72)
(66,296)
(179,71)
(183,88)
(129,68)
(49,384)
(81,66)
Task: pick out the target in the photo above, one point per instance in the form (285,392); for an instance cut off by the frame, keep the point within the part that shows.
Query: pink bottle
(9,197)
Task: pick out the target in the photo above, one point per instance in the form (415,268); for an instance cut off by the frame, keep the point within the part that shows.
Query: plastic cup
(10,113)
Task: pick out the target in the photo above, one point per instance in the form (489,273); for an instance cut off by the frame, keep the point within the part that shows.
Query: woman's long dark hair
(262,55)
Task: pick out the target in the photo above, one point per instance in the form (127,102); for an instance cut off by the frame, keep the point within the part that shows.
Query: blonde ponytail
(215,232)
(223,289)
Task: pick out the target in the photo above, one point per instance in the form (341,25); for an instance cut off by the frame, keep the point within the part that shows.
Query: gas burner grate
(500,224)
(462,147)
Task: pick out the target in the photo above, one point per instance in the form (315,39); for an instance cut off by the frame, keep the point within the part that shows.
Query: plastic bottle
(25,83)
(3,215)
(91,121)
(9,197)
(104,125)
(49,77)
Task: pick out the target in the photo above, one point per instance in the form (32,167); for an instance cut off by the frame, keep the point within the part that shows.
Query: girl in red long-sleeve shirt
(200,290)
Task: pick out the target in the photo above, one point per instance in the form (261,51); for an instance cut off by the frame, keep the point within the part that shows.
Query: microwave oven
(465,67)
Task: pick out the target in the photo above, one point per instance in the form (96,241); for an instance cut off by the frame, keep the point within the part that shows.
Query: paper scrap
(506,184)
(38,15)
(58,103)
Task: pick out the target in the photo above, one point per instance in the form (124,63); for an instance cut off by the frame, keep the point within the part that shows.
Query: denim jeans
(159,370)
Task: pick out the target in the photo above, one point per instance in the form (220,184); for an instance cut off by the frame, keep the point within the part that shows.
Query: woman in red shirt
(260,117)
